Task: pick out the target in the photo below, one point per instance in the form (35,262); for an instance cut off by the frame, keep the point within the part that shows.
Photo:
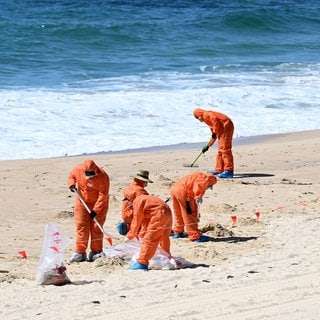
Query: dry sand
(266,268)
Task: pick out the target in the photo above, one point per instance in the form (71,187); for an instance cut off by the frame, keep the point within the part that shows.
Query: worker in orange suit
(186,195)
(136,188)
(222,128)
(157,216)
(92,183)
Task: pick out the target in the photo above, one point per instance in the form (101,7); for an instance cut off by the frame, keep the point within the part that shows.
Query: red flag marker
(257,213)
(234,219)
(23,254)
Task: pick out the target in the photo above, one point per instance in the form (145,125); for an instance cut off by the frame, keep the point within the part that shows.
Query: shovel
(108,237)
(193,164)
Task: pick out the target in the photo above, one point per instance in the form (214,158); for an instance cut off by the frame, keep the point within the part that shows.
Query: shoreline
(195,145)
(239,141)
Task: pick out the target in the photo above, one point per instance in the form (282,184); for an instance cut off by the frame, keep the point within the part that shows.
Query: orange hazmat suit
(135,189)
(95,192)
(185,193)
(223,127)
(157,217)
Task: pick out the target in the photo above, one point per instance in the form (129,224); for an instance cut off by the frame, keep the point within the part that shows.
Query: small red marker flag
(23,254)
(234,219)
(257,213)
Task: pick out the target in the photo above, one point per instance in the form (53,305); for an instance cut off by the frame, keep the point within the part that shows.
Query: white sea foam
(136,112)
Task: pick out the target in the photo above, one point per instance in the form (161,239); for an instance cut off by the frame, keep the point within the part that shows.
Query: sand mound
(107,264)
(216,230)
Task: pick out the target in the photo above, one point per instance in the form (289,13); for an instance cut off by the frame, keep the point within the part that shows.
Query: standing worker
(156,216)
(222,128)
(186,196)
(92,184)
(136,188)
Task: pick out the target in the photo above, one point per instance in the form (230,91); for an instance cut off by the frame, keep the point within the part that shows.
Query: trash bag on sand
(51,267)
(129,251)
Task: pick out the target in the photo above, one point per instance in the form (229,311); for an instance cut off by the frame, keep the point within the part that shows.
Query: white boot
(78,257)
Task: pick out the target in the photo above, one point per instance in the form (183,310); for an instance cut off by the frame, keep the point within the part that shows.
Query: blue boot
(214,172)
(179,235)
(122,228)
(138,266)
(202,239)
(225,174)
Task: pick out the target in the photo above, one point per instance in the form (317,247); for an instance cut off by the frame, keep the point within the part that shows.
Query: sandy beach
(264,265)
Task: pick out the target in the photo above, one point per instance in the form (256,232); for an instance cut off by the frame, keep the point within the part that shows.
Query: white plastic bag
(129,251)
(51,267)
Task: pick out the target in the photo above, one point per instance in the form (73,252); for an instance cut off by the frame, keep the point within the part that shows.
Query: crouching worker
(92,184)
(135,189)
(186,196)
(156,216)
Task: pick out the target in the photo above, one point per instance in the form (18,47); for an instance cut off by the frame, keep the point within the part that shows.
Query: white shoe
(78,257)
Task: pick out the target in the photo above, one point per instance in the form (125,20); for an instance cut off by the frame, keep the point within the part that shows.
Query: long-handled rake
(193,164)
(108,237)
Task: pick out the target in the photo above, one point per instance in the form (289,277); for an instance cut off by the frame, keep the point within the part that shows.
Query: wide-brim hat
(143,175)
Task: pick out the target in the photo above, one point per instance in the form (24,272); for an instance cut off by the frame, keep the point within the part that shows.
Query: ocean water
(96,76)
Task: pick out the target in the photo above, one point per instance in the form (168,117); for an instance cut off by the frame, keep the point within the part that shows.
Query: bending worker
(92,184)
(186,196)
(222,128)
(136,188)
(156,216)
